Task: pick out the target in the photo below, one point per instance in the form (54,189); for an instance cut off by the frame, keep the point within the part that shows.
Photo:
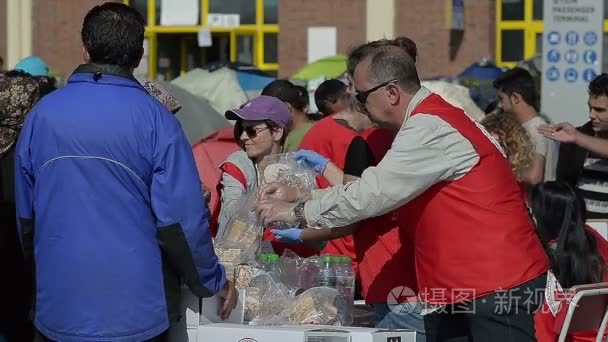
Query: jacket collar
(420,95)
(101,70)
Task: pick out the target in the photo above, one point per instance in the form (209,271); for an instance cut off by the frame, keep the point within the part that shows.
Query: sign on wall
(572,57)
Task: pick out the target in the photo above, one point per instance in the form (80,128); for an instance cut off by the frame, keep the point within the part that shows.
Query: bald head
(393,63)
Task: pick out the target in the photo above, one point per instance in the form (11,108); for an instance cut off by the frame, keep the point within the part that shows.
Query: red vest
(331,140)
(473,235)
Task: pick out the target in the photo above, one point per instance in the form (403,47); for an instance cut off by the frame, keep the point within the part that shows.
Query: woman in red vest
(260,130)
(578,254)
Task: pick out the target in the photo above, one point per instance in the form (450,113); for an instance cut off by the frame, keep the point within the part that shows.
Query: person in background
(516,92)
(296,98)
(260,130)
(18,95)
(577,253)
(453,185)
(337,137)
(330,97)
(37,68)
(515,142)
(109,206)
(583,152)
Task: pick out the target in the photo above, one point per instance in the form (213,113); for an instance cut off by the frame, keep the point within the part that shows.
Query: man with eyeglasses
(475,246)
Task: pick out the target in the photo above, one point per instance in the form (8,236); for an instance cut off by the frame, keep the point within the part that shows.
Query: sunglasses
(362,96)
(252,131)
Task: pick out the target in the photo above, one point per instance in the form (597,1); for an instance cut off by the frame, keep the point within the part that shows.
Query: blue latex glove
(312,160)
(289,235)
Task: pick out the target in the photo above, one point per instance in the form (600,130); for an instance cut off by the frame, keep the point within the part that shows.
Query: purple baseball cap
(262,108)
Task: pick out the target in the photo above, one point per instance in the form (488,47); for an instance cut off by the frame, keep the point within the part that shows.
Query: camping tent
(457,96)
(209,153)
(220,87)
(197,117)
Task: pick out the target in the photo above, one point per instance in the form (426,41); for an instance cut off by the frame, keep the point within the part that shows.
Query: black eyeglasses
(362,96)
(252,131)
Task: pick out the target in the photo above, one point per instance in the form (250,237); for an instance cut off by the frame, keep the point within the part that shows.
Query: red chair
(587,311)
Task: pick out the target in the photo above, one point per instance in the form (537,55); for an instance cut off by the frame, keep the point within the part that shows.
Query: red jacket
(332,140)
(472,235)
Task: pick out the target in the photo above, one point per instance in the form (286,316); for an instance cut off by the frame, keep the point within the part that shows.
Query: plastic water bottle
(274,268)
(345,284)
(264,261)
(327,273)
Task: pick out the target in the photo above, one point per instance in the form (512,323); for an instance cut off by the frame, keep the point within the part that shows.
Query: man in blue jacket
(109,202)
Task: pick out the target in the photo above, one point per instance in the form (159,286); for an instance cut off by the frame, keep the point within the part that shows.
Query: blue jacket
(110,210)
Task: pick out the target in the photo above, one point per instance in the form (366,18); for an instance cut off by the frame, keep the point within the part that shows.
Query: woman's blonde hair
(513,139)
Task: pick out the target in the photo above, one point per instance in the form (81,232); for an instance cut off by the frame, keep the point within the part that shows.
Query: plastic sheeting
(197,116)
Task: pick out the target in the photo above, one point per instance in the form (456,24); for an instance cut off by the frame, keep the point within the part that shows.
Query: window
(271,48)
(513,10)
(271,11)
(173,50)
(244,48)
(513,45)
(244,8)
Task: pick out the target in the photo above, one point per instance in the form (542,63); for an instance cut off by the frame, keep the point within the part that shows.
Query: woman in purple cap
(261,128)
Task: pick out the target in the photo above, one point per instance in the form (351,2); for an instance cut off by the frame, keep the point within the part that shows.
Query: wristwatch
(298,212)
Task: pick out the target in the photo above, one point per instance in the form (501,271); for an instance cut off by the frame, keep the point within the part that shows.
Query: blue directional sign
(571,38)
(571,56)
(590,57)
(554,37)
(590,38)
(553,56)
(553,74)
(570,75)
(589,75)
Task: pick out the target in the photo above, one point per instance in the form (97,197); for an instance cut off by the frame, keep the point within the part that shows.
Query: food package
(314,306)
(241,241)
(283,168)
(244,274)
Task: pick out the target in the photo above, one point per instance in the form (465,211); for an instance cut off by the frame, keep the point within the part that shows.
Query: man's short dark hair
(393,63)
(113,33)
(599,86)
(518,80)
(327,93)
(288,93)
(362,51)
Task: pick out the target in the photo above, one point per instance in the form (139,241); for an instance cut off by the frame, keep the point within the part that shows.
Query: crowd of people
(112,218)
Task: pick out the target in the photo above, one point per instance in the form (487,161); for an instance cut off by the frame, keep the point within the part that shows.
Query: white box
(191,306)
(192,335)
(381,335)
(226,332)
(211,306)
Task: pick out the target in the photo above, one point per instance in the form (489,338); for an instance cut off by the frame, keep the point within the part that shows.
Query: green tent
(330,67)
